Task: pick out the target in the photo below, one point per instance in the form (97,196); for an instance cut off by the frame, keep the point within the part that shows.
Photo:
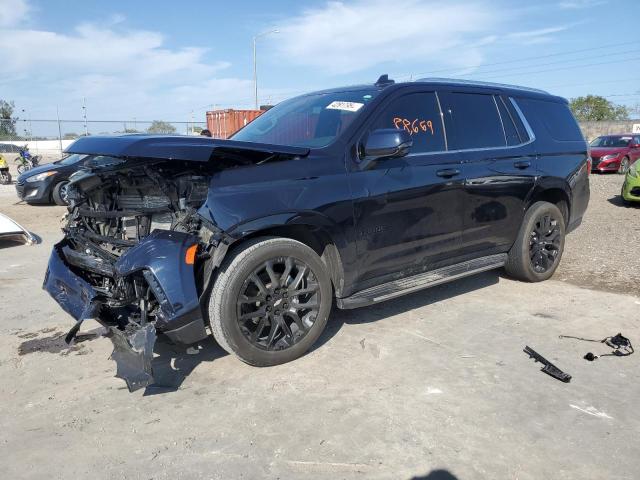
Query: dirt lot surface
(429,382)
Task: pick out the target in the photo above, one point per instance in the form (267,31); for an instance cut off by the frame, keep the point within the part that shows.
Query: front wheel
(270,301)
(60,193)
(536,253)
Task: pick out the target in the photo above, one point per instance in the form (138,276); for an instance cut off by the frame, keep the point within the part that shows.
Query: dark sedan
(48,183)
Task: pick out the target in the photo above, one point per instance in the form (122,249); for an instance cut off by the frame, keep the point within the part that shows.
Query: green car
(631,185)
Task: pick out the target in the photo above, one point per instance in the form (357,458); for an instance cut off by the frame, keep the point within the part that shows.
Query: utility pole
(84,115)
(255,65)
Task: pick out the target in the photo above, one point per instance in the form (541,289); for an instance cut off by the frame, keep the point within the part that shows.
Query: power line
(535,72)
(545,64)
(538,57)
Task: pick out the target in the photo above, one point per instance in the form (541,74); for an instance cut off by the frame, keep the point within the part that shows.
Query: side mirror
(387,143)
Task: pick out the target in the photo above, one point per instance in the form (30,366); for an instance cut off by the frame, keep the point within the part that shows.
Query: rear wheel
(60,193)
(624,166)
(270,301)
(536,254)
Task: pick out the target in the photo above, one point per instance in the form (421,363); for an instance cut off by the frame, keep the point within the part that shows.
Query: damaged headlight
(633,171)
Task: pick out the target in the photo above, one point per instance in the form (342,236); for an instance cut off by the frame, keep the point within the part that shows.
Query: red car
(614,153)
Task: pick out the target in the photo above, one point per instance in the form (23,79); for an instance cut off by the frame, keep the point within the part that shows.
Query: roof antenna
(384,80)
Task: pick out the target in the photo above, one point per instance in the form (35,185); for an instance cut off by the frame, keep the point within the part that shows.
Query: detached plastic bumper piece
(133,354)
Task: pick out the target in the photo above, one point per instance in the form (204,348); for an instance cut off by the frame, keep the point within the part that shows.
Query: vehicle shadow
(403,304)
(436,475)
(174,363)
(618,201)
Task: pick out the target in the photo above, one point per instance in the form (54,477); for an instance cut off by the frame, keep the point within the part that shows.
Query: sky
(174,60)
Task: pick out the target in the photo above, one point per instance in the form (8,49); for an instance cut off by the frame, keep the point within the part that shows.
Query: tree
(7,123)
(70,136)
(158,126)
(594,108)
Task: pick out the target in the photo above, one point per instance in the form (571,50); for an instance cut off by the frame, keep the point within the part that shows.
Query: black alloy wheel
(545,243)
(278,303)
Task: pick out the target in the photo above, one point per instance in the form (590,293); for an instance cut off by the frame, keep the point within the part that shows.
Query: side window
(507,122)
(556,117)
(419,115)
(472,121)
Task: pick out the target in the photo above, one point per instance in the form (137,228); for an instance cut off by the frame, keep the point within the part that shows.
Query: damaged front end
(135,256)
(138,255)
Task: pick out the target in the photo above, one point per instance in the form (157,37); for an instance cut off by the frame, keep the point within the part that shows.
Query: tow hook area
(133,353)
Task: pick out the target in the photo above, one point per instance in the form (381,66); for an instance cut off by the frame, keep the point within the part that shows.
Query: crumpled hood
(190,148)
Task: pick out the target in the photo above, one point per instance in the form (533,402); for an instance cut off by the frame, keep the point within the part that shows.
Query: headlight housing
(41,176)
(633,171)
(613,156)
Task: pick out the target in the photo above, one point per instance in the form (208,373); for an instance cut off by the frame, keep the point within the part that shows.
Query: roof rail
(478,83)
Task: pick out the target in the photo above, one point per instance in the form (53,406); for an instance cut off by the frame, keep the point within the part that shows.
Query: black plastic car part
(549,368)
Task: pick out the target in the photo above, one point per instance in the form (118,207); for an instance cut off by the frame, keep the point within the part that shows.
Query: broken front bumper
(160,259)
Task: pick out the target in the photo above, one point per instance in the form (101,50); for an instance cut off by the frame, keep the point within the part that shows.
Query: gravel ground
(603,252)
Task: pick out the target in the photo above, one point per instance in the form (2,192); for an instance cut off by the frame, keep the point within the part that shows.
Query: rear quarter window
(556,118)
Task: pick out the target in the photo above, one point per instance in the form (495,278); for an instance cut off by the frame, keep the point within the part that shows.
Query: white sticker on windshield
(348,106)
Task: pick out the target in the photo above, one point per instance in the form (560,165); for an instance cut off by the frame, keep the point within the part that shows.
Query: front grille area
(635,191)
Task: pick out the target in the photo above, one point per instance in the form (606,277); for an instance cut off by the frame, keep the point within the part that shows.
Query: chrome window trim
(524,121)
(444,128)
(504,131)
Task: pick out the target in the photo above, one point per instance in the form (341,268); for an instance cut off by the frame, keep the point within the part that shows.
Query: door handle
(448,172)
(522,164)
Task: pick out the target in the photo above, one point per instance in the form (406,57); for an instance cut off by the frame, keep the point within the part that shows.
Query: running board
(400,287)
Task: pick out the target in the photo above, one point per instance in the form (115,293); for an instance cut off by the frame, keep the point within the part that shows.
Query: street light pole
(255,65)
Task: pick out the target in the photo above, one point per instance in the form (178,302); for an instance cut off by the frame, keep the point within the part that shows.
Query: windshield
(307,121)
(71,159)
(611,141)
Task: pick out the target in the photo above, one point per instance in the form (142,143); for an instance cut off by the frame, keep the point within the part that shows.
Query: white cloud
(12,12)
(122,72)
(346,37)
(535,37)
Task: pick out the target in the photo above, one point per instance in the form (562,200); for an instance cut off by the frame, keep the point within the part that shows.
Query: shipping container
(224,123)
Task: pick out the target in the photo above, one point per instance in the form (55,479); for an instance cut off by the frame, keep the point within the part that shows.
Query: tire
(291,338)
(21,169)
(534,248)
(59,193)
(624,166)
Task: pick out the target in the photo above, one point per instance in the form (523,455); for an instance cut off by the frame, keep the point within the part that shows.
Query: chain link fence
(48,138)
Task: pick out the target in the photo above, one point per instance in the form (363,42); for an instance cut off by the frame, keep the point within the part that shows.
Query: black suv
(358,194)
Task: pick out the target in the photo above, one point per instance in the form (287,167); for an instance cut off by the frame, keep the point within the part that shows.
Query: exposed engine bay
(137,255)
(112,211)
